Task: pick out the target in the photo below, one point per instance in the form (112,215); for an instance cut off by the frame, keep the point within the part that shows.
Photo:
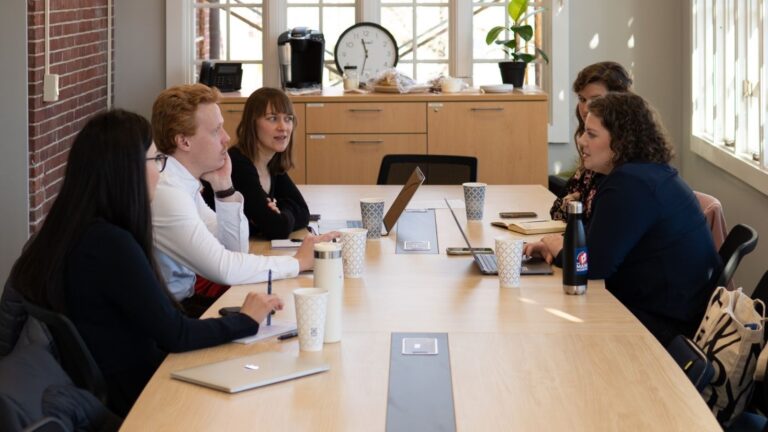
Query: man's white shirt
(190,238)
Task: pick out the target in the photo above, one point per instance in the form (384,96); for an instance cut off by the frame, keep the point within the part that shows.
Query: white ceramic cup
(474,200)
(311,307)
(372,212)
(353,251)
(509,257)
(452,85)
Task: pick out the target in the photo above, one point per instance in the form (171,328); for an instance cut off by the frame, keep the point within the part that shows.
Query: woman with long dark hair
(93,261)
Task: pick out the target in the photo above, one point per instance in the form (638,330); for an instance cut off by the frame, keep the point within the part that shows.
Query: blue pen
(269,291)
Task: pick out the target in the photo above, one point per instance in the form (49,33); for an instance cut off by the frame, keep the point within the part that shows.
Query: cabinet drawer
(355,159)
(376,117)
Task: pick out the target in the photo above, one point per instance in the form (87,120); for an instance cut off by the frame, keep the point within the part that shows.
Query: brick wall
(78,44)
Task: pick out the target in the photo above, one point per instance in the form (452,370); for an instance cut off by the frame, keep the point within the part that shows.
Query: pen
(285,336)
(269,291)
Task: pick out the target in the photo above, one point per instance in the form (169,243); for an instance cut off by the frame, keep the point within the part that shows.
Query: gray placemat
(420,394)
(417,232)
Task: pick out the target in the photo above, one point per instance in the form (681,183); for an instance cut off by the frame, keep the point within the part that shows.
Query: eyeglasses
(159,160)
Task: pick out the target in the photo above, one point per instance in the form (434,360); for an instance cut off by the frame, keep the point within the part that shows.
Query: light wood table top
(529,358)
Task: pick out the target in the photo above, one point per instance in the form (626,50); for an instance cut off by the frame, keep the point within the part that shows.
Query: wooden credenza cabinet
(340,139)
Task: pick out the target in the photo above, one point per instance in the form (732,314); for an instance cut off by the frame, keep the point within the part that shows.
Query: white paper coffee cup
(353,251)
(311,307)
(509,258)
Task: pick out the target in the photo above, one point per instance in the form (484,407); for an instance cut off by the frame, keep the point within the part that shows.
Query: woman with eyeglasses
(93,261)
(261,158)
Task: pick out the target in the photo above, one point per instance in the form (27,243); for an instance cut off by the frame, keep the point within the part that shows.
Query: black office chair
(438,169)
(556,185)
(741,240)
(73,354)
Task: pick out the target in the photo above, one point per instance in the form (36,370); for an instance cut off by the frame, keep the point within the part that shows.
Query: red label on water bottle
(581,261)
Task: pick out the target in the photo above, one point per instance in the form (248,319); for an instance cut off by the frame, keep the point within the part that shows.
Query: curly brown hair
(610,74)
(247,131)
(173,113)
(637,135)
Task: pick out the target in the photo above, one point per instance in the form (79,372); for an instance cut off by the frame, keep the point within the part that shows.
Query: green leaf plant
(521,33)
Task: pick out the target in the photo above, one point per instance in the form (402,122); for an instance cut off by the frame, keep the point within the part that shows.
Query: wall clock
(369,46)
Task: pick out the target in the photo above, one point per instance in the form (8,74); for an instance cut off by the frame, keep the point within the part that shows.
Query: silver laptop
(244,373)
(393,214)
(487,262)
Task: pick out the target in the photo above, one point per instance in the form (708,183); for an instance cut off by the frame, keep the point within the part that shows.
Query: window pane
(253,76)
(486,73)
(335,21)
(406,68)
(211,34)
(246,34)
(485,18)
(303,17)
(428,71)
(399,22)
(432,30)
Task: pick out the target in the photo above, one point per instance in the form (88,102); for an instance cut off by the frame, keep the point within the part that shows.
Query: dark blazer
(650,242)
(128,323)
(294,213)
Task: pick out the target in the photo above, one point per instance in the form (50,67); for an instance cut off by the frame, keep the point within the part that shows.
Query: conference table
(522,359)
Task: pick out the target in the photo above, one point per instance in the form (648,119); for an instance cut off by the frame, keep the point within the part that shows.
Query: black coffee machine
(301,58)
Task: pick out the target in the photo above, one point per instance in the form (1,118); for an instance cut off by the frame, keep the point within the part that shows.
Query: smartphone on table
(467,251)
(515,215)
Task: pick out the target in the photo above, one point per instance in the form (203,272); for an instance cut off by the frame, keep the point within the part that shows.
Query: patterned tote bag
(731,336)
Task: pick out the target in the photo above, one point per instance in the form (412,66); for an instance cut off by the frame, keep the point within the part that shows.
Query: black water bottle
(575,252)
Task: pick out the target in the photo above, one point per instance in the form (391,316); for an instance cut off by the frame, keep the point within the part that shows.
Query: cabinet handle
(234,111)
(366,141)
(487,109)
(365,110)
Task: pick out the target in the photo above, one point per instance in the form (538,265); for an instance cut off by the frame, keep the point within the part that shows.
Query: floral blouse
(581,187)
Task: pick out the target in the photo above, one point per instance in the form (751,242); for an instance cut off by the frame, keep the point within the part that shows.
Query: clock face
(368,46)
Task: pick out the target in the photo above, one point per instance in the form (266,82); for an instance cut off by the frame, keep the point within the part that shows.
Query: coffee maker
(301,51)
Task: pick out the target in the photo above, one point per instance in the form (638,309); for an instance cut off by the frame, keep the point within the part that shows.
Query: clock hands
(362,69)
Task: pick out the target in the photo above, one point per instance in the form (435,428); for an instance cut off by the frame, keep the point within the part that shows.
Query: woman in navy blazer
(648,237)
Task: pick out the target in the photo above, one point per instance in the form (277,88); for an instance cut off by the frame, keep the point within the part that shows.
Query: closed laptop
(244,373)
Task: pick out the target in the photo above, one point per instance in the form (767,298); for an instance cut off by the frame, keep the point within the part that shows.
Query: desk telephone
(224,76)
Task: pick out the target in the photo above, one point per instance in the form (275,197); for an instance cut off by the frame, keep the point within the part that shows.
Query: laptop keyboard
(487,263)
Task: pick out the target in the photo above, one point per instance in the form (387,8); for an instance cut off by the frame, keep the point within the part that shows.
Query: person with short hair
(202,252)
(593,81)
(648,238)
(261,158)
(93,261)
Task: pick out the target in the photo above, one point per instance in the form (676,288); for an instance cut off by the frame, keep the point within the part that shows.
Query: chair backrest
(741,240)
(438,169)
(74,355)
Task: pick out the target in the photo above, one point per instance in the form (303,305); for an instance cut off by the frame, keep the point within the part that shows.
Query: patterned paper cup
(311,308)
(474,200)
(353,251)
(509,256)
(372,211)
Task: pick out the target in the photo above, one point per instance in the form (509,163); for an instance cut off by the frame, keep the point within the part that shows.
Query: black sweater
(128,323)
(294,213)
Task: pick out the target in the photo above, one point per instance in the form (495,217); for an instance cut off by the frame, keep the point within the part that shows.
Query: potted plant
(513,72)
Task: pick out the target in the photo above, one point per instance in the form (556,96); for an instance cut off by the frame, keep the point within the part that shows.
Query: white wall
(14,172)
(741,203)
(139,54)
(601,30)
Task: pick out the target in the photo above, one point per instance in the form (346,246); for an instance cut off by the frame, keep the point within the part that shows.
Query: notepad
(532,227)
(265,332)
(284,244)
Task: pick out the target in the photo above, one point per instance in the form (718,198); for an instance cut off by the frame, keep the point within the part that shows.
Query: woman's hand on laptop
(258,305)
(306,253)
(547,248)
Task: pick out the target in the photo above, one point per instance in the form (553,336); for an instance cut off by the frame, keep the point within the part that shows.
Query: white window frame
(179,37)
(709,128)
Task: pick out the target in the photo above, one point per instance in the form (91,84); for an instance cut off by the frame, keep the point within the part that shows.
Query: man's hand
(220,179)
